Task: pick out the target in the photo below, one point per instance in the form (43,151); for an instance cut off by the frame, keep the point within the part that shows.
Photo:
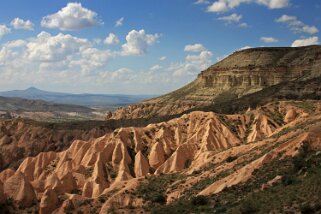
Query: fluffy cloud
(57,60)
(4,30)
(49,48)
(269,39)
(111,39)
(193,63)
(243,25)
(53,53)
(122,74)
(231,18)
(18,23)
(194,48)
(305,42)
(71,17)
(297,26)
(274,4)
(119,22)
(162,58)
(156,67)
(226,5)
(286,19)
(138,42)
(202,2)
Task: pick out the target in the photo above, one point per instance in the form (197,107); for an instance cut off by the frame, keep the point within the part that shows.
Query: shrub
(248,207)
(158,198)
(307,209)
(199,200)
(230,159)
(288,179)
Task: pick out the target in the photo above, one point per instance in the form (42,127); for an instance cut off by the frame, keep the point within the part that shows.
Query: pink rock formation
(141,165)
(49,201)
(20,190)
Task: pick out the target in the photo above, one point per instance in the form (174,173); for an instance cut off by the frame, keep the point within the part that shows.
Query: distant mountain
(16,104)
(92,100)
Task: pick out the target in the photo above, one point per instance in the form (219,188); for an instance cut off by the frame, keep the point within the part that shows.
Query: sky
(141,46)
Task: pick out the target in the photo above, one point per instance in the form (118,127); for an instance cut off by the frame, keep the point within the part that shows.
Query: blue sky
(157,45)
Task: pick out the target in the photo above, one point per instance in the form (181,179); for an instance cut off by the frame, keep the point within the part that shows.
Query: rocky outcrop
(20,190)
(20,139)
(105,172)
(49,201)
(244,72)
(141,165)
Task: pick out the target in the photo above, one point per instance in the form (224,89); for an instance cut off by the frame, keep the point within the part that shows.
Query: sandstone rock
(49,201)
(290,116)
(20,190)
(141,165)
(243,72)
(272,182)
(5,174)
(157,155)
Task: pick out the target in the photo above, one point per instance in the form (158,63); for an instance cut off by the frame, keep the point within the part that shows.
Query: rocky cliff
(200,153)
(244,72)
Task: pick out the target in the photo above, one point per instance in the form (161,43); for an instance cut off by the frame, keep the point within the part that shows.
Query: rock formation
(105,172)
(244,72)
(20,139)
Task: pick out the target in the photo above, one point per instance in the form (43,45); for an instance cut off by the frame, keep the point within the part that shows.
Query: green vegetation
(248,127)
(153,191)
(306,106)
(298,191)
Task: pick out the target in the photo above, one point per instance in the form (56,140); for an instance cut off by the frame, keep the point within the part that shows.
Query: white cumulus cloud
(138,42)
(231,18)
(194,48)
(193,62)
(202,2)
(48,48)
(226,5)
(18,23)
(306,42)
(162,58)
(297,26)
(111,39)
(269,39)
(71,17)
(274,4)
(4,30)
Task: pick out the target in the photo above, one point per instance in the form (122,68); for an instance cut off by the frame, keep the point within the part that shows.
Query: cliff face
(197,154)
(20,139)
(244,72)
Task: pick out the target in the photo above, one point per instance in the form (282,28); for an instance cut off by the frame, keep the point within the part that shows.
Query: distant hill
(92,100)
(24,105)
(242,73)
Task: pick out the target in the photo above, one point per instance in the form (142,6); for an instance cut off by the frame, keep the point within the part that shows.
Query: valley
(235,140)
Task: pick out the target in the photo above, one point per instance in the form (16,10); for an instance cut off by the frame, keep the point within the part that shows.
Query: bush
(299,161)
(230,159)
(248,207)
(288,180)
(199,200)
(158,198)
(307,209)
